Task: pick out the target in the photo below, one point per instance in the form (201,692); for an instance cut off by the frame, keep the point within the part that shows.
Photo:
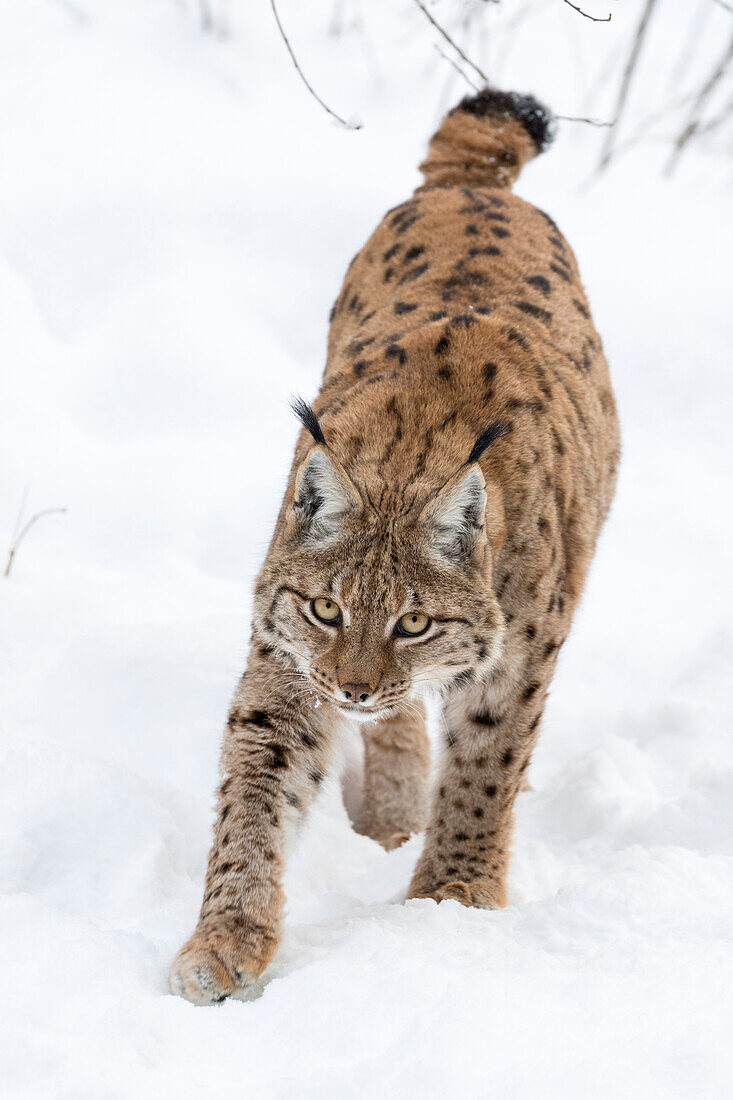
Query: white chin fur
(364,716)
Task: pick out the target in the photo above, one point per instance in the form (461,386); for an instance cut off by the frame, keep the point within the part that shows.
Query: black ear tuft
(488,436)
(308,419)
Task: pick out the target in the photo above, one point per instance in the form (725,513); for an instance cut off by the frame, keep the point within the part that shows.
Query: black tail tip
(538,120)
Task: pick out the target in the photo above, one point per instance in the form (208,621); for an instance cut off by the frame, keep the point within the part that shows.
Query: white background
(176,214)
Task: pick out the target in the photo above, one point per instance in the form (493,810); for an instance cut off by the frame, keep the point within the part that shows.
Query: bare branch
(590,121)
(18,538)
(648,122)
(207,16)
(694,118)
(626,79)
(458,68)
(75,12)
(593,18)
(717,120)
(450,42)
(326,108)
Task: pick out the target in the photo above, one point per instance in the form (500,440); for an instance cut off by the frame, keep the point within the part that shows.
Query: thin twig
(593,18)
(450,42)
(207,16)
(690,43)
(326,108)
(626,79)
(718,119)
(457,67)
(76,13)
(693,121)
(21,513)
(590,121)
(19,537)
(648,122)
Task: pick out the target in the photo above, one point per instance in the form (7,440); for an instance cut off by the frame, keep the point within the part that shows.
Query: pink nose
(358,693)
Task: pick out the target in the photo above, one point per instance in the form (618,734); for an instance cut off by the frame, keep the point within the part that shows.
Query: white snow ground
(177,214)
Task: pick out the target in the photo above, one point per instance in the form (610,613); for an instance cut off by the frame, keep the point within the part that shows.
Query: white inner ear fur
(456,515)
(324,493)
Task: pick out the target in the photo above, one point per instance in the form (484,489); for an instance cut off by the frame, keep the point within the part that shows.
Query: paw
(479,894)
(395,840)
(213,964)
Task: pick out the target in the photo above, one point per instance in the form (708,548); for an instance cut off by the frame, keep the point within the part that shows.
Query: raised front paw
(218,960)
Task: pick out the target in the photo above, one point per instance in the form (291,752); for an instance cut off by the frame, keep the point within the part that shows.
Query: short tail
(487,139)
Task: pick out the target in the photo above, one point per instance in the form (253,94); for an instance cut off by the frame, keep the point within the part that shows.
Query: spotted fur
(459,460)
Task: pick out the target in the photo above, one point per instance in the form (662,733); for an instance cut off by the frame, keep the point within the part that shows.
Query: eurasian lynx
(436,531)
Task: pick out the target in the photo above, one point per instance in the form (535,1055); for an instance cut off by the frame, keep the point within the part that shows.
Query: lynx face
(374,611)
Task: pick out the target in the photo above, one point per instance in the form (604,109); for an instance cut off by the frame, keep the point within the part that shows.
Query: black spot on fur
(534,311)
(540,282)
(559,271)
(442,345)
(488,250)
(499,232)
(278,757)
(413,273)
(515,337)
(413,253)
(486,718)
(396,352)
(406,223)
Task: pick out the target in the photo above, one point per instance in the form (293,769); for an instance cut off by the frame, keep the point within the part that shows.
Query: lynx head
(377,607)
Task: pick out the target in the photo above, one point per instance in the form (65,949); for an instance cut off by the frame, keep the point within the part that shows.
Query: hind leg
(396,777)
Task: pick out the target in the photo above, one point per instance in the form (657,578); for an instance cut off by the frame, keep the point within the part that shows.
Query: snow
(178,214)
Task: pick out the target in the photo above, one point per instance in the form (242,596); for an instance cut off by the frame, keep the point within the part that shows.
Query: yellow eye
(326,610)
(412,624)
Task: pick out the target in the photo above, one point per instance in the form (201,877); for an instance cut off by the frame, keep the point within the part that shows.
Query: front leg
(275,753)
(490,732)
(396,777)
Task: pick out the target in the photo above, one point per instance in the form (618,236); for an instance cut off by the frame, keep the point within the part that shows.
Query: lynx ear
(455,517)
(324,495)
